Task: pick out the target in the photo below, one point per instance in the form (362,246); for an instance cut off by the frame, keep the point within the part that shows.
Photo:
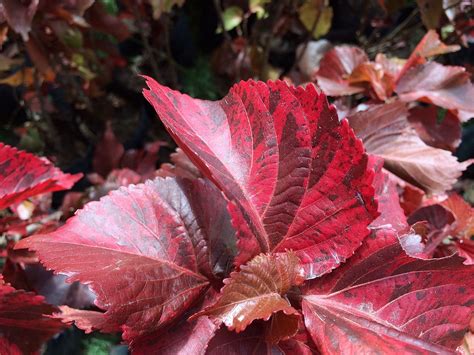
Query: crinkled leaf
(446,86)
(23,175)
(386,132)
(144,250)
(335,68)
(296,176)
(256,290)
(25,319)
(384,301)
(436,127)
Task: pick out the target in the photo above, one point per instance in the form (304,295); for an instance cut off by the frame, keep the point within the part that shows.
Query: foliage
(282,223)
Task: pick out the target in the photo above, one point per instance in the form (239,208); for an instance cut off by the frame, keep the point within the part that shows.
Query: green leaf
(312,11)
(232,17)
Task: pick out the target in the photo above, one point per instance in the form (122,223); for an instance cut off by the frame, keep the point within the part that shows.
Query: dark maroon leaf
(108,152)
(183,339)
(23,175)
(443,134)
(296,176)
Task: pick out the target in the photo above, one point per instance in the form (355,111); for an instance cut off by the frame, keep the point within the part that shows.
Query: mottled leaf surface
(386,132)
(297,178)
(256,291)
(144,250)
(383,301)
(23,175)
(24,313)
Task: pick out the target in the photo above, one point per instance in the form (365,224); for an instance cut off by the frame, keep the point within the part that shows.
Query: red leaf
(108,152)
(335,68)
(152,242)
(429,46)
(445,134)
(255,292)
(382,299)
(282,327)
(296,176)
(386,132)
(25,320)
(445,86)
(23,175)
(19,15)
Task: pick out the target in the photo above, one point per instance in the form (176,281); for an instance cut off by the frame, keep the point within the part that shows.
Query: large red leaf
(446,86)
(386,132)
(23,175)
(256,290)
(336,67)
(296,176)
(144,250)
(25,321)
(384,301)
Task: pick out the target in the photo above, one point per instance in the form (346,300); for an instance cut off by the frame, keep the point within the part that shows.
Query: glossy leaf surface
(297,178)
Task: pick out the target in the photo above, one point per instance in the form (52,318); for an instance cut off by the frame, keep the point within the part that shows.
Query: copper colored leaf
(336,67)
(443,134)
(25,320)
(386,132)
(297,178)
(23,175)
(383,301)
(445,86)
(143,250)
(381,83)
(257,290)
(181,166)
(19,15)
